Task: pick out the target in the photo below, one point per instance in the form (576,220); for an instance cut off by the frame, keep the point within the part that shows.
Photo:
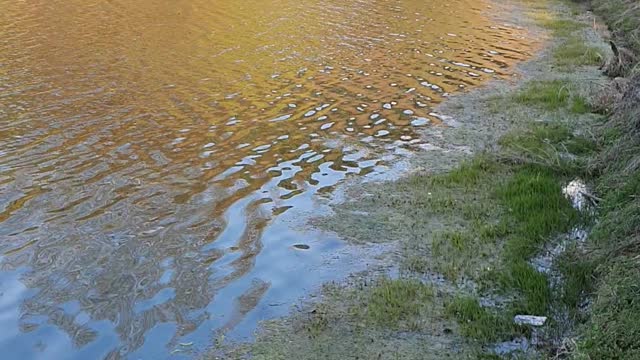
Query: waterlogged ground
(158,159)
(477,240)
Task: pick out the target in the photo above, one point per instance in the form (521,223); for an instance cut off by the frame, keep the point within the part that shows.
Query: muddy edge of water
(471,126)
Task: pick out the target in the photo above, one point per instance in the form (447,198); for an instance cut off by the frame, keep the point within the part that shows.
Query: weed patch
(549,95)
(575,52)
(549,145)
(613,331)
(477,322)
(562,27)
(398,303)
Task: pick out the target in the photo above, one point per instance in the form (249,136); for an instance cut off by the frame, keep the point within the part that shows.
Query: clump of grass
(477,322)
(580,105)
(578,278)
(575,52)
(562,27)
(551,145)
(368,318)
(458,253)
(468,174)
(620,220)
(613,330)
(398,304)
(549,95)
(623,17)
(531,284)
(489,232)
(535,211)
(537,136)
(535,202)
(611,269)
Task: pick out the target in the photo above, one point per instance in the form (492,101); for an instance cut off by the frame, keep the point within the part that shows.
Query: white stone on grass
(530,320)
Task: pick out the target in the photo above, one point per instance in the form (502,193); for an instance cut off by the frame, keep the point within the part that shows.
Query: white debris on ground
(576,192)
(530,320)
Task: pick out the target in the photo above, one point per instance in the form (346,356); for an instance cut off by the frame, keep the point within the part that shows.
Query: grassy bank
(494,236)
(610,328)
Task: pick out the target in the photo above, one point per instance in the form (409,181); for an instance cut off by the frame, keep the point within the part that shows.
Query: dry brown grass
(621,63)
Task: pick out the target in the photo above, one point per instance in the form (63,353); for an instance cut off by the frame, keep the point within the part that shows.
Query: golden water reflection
(146,146)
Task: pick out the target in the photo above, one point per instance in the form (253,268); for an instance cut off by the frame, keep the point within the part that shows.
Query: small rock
(326,126)
(530,320)
(420,121)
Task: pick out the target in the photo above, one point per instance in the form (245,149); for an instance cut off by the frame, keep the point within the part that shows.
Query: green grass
(535,211)
(398,303)
(611,271)
(531,284)
(534,199)
(614,328)
(539,210)
(575,52)
(578,279)
(562,27)
(623,17)
(459,253)
(537,137)
(547,144)
(580,105)
(548,95)
(468,174)
(479,323)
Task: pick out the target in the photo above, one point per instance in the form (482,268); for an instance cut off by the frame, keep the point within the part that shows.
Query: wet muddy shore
(485,232)
(319,179)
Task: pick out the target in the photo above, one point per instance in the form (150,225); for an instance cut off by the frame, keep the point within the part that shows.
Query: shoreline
(470,236)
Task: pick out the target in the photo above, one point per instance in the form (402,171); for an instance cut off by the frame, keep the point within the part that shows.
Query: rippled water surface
(157,157)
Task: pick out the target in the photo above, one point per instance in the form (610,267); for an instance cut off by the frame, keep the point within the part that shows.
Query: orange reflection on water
(145,138)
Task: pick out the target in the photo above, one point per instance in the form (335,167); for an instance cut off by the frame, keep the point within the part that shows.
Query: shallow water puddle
(158,159)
